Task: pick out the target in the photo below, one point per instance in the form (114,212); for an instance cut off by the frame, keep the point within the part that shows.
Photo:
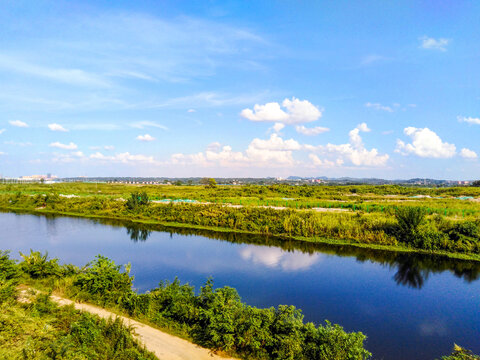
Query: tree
(137,199)
(476,183)
(409,220)
(209,182)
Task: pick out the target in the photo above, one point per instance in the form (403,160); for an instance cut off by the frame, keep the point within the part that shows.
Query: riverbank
(399,248)
(215,318)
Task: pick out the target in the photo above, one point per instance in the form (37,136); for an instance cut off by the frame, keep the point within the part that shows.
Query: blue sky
(233,88)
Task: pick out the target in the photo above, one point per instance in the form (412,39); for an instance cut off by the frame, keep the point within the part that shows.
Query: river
(409,306)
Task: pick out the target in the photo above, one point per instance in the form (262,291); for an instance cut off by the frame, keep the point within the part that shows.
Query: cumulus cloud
(125,158)
(2,131)
(278,127)
(311,131)
(468,154)
(425,143)
(56,127)
(470,120)
(353,152)
(294,111)
(18,123)
(378,106)
(429,43)
(274,151)
(146,137)
(59,145)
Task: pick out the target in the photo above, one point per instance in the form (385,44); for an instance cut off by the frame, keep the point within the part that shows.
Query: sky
(240,88)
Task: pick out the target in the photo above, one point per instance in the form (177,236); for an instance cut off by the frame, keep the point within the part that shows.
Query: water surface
(410,306)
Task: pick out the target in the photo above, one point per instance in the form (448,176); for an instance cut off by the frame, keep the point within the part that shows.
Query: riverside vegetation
(215,318)
(444,225)
(40,329)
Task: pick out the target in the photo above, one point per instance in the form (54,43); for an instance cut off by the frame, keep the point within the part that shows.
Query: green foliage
(460,353)
(215,318)
(476,183)
(37,265)
(208,182)
(9,274)
(103,280)
(409,220)
(42,330)
(136,200)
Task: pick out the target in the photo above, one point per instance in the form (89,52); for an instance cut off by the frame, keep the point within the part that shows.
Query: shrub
(37,265)
(104,281)
(460,353)
(137,200)
(9,275)
(409,220)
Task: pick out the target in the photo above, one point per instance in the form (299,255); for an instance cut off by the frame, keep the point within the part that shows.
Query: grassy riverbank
(214,317)
(419,231)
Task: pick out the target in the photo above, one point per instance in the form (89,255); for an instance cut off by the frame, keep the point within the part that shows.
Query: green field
(440,220)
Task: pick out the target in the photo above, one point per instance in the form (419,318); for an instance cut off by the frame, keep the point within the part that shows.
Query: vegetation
(368,215)
(460,353)
(215,318)
(38,329)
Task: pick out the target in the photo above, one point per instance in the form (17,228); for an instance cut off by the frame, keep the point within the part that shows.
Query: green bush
(137,200)
(9,274)
(409,220)
(37,265)
(460,353)
(103,280)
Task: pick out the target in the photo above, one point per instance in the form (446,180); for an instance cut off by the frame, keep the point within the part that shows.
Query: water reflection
(274,257)
(410,273)
(138,233)
(412,270)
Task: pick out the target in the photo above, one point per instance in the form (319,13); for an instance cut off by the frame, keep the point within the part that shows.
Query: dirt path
(163,345)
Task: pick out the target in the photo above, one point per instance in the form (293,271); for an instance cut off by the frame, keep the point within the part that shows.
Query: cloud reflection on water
(274,257)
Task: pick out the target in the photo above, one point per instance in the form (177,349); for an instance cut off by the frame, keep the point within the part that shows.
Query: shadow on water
(412,270)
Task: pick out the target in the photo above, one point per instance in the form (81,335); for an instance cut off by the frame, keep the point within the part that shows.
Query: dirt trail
(163,345)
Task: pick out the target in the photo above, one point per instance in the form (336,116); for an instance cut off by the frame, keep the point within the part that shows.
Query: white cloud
(56,127)
(145,137)
(59,145)
(324,163)
(18,123)
(354,152)
(2,153)
(78,154)
(425,143)
(470,120)
(109,147)
(191,110)
(378,106)
(125,158)
(468,154)
(146,124)
(274,151)
(311,131)
(278,127)
(434,44)
(296,112)
(2,131)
